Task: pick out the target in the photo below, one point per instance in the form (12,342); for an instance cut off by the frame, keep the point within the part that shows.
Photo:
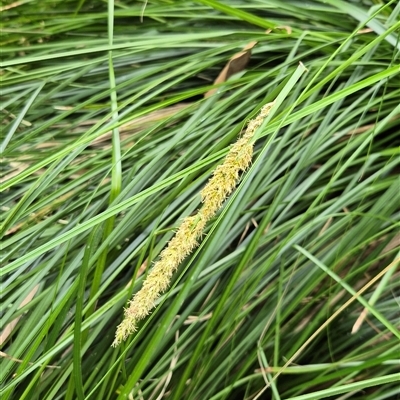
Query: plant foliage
(108,138)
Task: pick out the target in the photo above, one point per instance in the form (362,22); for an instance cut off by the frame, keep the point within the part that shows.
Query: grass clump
(109,134)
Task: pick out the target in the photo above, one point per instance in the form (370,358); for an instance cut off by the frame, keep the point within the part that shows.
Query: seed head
(214,194)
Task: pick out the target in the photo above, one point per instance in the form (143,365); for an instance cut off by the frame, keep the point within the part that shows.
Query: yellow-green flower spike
(214,194)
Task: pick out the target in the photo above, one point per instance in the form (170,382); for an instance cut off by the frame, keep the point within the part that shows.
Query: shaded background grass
(107,140)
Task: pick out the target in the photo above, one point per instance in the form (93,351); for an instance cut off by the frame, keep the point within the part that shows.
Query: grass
(107,141)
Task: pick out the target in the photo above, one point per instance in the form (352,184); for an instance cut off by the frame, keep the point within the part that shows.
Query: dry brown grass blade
(236,64)
(393,244)
(5,355)
(41,214)
(12,5)
(326,323)
(17,167)
(138,124)
(11,325)
(239,61)
(13,116)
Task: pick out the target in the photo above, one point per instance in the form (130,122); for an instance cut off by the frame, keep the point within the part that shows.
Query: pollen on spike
(217,190)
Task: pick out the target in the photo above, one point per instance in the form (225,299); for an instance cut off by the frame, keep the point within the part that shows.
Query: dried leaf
(11,325)
(236,64)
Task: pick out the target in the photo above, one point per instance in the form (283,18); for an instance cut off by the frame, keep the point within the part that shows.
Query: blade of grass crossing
(240,14)
(334,276)
(20,117)
(356,386)
(247,255)
(116,175)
